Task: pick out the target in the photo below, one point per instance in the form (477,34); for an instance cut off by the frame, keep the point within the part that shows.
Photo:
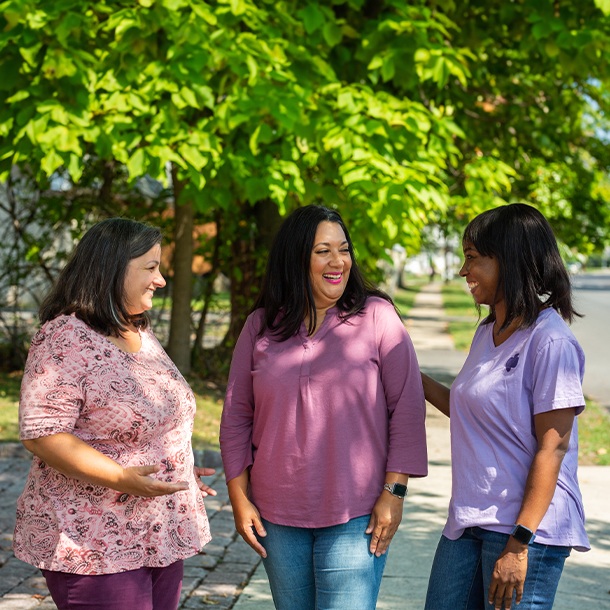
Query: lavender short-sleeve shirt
(493,402)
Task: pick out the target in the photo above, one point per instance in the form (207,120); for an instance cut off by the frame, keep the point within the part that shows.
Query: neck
(500,313)
(320,315)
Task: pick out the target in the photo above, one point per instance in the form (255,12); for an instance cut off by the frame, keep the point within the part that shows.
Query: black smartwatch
(396,489)
(522,534)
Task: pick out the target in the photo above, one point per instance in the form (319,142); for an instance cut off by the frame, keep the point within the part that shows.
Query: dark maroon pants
(143,589)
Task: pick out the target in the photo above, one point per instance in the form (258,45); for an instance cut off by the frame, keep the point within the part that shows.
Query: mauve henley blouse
(321,419)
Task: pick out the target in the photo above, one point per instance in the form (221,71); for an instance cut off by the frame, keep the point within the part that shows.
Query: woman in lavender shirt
(516,510)
(323,421)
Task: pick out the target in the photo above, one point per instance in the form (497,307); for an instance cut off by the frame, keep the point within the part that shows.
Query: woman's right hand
(136,481)
(73,457)
(247,518)
(247,521)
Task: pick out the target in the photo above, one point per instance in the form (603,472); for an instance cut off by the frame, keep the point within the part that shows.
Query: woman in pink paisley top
(113,502)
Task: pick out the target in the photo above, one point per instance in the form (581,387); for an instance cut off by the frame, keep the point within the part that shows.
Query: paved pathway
(227,574)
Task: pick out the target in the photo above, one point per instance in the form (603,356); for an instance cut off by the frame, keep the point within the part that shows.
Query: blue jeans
(325,568)
(462,569)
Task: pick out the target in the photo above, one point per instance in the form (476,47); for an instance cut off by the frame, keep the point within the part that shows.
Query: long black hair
(92,284)
(531,270)
(286,288)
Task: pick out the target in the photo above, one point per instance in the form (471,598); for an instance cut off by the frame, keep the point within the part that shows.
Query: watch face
(522,534)
(400,490)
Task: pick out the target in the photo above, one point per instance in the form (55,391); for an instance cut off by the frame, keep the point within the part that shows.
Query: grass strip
(594,436)
(458,303)
(405,297)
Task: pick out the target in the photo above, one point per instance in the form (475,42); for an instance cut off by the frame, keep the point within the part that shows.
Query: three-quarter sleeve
(53,385)
(238,412)
(401,379)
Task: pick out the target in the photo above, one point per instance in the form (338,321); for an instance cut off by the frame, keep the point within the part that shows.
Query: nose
(463,270)
(159,280)
(337,260)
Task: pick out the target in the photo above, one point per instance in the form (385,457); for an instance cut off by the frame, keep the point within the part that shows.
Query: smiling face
(482,273)
(141,280)
(329,265)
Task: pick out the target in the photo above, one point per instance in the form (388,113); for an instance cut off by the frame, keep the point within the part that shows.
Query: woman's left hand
(385,519)
(204,472)
(508,575)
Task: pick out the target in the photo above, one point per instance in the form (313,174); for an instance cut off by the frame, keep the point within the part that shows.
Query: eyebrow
(326,243)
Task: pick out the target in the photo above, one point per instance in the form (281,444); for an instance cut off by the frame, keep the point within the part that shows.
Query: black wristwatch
(396,489)
(522,534)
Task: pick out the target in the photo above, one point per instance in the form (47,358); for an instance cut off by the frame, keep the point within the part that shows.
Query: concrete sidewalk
(228,574)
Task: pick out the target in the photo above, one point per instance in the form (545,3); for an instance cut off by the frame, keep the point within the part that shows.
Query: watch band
(522,534)
(396,489)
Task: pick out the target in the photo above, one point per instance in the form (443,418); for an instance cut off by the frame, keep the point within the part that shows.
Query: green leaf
(193,156)
(238,7)
(440,73)
(261,134)
(603,5)
(252,69)
(189,97)
(75,168)
(332,34)
(203,10)
(312,18)
(551,48)
(564,40)
(20,95)
(256,189)
(542,29)
(388,69)
(205,93)
(136,166)
(51,162)
(30,53)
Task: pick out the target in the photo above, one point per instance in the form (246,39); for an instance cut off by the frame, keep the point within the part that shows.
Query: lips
(333,278)
(472,286)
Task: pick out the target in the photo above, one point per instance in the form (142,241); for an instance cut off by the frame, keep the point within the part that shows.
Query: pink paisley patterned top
(135,408)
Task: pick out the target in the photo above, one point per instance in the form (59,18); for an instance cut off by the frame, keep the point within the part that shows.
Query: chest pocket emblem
(512,362)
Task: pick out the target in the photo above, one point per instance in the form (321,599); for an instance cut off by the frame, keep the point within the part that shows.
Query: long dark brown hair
(92,284)
(286,288)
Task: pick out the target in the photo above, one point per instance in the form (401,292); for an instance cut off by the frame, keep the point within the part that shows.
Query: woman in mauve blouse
(323,421)
(113,502)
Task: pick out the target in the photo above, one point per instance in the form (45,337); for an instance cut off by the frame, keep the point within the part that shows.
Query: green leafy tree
(396,113)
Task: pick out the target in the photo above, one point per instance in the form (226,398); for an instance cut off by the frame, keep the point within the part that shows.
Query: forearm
(238,487)
(540,487)
(71,456)
(436,394)
(396,477)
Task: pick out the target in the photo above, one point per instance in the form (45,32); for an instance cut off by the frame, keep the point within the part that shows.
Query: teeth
(332,276)
(472,285)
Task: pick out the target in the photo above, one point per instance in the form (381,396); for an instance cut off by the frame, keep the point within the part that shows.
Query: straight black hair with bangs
(531,270)
(286,294)
(92,284)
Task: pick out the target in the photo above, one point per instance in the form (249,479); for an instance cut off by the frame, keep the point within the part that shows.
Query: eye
(321,251)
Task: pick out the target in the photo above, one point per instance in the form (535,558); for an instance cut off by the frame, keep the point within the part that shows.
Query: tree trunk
(248,259)
(178,346)
(209,289)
